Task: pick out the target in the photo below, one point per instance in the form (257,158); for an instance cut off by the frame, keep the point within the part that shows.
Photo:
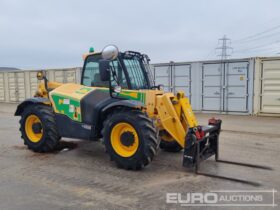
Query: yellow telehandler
(118,103)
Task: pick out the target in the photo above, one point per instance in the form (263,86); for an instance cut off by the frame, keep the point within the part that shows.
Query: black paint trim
(71,129)
(34,100)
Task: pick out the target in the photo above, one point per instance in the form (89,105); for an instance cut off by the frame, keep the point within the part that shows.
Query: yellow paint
(131,94)
(85,55)
(171,113)
(166,137)
(170,119)
(70,90)
(29,122)
(42,92)
(151,101)
(83,90)
(115,138)
(188,113)
(175,116)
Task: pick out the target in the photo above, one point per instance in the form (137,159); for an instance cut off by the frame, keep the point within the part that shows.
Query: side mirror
(104,70)
(110,52)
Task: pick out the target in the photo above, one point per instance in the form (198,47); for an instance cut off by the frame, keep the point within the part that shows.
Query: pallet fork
(202,143)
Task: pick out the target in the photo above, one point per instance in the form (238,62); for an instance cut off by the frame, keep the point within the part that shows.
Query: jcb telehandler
(118,103)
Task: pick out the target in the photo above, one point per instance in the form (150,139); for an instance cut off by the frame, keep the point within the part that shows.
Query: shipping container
(174,77)
(241,86)
(212,86)
(228,86)
(16,86)
(2,87)
(267,86)
(34,82)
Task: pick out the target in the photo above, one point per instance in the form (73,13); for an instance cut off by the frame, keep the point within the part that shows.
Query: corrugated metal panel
(225,87)
(162,75)
(2,87)
(270,87)
(182,79)
(33,83)
(65,76)
(174,77)
(212,83)
(16,84)
(236,87)
(59,76)
(70,76)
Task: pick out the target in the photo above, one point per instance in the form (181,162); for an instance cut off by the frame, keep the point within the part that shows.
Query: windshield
(135,73)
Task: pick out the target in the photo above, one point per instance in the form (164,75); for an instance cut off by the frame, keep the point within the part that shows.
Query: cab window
(91,76)
(136,73)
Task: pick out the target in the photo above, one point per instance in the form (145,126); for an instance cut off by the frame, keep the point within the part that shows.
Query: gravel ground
(79,175)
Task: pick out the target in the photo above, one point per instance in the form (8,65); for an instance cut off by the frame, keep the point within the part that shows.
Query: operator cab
(128,70)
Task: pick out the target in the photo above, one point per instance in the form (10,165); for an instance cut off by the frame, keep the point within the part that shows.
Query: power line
(259,51)
(257,34)
(272,48)
(212,52)
(259,46)
(224,48)
(257,38)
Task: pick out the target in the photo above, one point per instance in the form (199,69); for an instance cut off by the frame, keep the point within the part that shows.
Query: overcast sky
(55,33)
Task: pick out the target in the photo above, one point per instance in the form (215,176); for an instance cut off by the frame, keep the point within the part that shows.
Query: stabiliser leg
(200,148)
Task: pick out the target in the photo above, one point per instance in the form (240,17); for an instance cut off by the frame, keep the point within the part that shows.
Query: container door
(182,79)
(270,88)
(162,75)
(70,76)
(59,76)
(2,87)
(34,82)
(16,83)
(65,76)
(212,87)
(236,87)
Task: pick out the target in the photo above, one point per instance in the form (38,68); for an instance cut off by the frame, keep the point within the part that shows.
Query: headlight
(40,75)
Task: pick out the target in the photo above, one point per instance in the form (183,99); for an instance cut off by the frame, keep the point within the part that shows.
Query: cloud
(50,34)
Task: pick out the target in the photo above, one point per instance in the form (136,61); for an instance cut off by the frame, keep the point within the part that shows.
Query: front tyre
(38,128)
(130,138)
(168,143)
(170,146)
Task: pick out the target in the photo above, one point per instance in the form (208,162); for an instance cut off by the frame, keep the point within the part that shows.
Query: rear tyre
(170,146)
(38,128)
(130,138)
